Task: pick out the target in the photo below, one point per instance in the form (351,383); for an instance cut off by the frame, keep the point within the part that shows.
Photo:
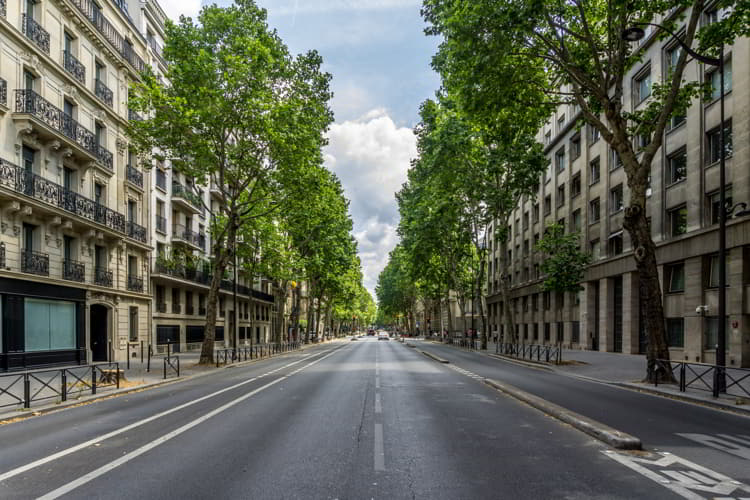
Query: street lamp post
(635,33)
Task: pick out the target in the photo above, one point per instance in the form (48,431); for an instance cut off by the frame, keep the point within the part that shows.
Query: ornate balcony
(37,187)
(74,67)
(135,283)
(34,262)
(180,234)
(103,277)
(103,92)
(134,176)
(74,271)
(186,198)
(34,32)
(180,271)
(93,13)
(56,124)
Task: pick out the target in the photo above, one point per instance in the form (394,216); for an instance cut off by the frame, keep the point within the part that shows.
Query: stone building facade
(74,242)
(585,188)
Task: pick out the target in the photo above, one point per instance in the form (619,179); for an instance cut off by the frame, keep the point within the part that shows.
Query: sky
(379,57)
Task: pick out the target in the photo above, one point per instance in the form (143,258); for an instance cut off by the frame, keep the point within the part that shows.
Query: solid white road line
(67,488)
(379,453)
(31,465)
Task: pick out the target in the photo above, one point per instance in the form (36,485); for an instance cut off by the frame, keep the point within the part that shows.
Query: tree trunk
(480,279)
(221,254)
(296,301)
(280,296)
(508,320)
(450,315)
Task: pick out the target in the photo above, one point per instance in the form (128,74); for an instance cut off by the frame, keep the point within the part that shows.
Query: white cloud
(174,8)
(371,156)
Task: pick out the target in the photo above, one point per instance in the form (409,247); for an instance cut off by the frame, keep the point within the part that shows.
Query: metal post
(93,380)
(148,362)
(141,352)
(117,374)
(64,386)
(26,391)
(722,331)
(165,368)
(128,350)
(235,329)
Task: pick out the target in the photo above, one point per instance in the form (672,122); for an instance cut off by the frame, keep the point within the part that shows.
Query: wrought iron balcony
(161,179)
(134,176)
(103,92)
(74,67)
(34,262)
(29,102)
(34,32)
(175,308)
(74,271)
(161,224)
(3,89)
(179,270)
(103,277)
(135,283)
(135,231)
(186,197)
(161,307)
(157,50)
(35,186)
(93,13)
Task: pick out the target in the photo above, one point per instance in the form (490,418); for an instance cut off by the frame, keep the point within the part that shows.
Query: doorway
(98,329)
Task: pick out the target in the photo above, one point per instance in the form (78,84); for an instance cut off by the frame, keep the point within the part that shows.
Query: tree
(564,262)
(586,62)
(239,113)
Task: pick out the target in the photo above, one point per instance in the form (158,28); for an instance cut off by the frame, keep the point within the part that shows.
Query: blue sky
(380,61)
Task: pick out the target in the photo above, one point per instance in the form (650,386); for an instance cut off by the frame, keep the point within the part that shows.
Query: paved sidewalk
(45,386)
(629,370)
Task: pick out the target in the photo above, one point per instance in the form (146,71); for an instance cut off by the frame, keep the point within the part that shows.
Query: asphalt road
(363,419)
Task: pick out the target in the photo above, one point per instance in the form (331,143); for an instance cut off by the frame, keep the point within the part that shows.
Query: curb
(410,345)
(26,414)
(436,358)
(528,364)
(608,435)
(683,398)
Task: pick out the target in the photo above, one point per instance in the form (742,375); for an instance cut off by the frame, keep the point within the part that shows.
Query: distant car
(383,336)
(354,338)
(370,332)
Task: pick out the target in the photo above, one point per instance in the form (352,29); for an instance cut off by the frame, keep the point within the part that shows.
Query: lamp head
(633,34)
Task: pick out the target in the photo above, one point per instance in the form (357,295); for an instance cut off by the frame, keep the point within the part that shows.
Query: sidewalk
(629,370)
(45,387)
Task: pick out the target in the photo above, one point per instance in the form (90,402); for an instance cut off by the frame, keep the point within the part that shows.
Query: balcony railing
(93,13)
(103,277)
(35,186)
(103,92)
(161,307)
(34,262)
(28,101)
(74,67)
(179,270)
(3,89)
(134,176)
(180,191)
(262,296)
(188,236)
(161,224)
(161,179)
(74,271)
(135,283)
(34,32)
(175,308)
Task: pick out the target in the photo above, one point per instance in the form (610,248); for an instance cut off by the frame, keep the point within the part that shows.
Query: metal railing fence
(532,352)
(707,377)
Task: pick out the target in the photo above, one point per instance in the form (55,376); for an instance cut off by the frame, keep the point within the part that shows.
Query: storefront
(42,325)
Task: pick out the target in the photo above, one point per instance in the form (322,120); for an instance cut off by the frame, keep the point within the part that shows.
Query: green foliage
(564,262)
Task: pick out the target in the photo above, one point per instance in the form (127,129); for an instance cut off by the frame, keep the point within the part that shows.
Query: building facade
(74,243)
(585,189)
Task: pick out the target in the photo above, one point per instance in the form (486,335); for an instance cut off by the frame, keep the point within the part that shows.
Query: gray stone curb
(436,358)
(612,437)
(685,398)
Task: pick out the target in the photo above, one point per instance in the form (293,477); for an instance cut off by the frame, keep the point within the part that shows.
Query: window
(548,204)
(546,300)
(676,332)
(642,140)
(28,156)
(713,272)
(559,331)
(133,330)
(535,302)
(594,171)
(560,160)
(561,223)
(546,332)
(49,325)
(595,249)
(536,331)
(642,86)
(98,193)
(575,185)
(575,147)
(714,200)
(526,220)
(616,202)
(615,243)
(614,160)
(535,212)
(526,247)
(677,218)
(547,138)
(715,78)
(677,166)
(560,124)
(713,143)
(575,220)
(711,332)
(594,134)
(675,274)
(594,213)
(100,133)
(561,195)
